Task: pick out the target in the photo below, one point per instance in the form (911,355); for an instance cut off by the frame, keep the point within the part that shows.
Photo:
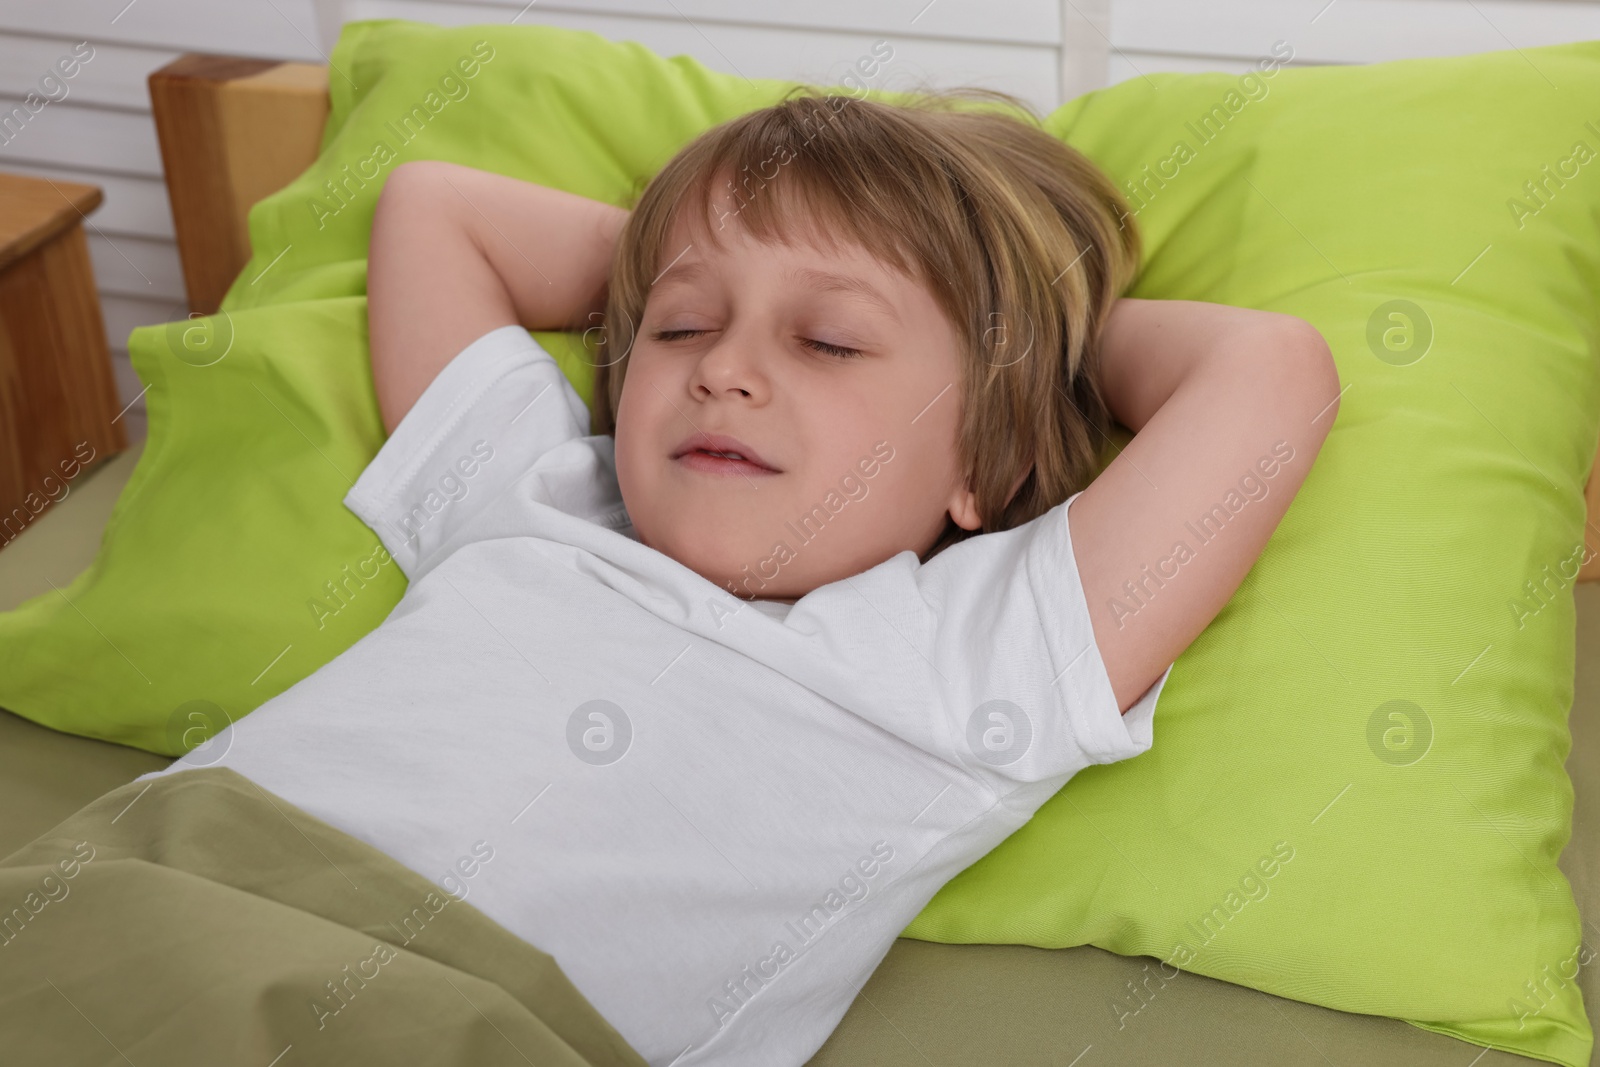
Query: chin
(690,548)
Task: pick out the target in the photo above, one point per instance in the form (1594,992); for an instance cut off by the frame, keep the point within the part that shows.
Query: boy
(731,693)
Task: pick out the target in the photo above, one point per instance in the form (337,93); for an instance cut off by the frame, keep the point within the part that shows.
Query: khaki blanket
(199,919)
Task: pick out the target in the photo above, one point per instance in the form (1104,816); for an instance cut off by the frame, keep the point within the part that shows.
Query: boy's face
(858,451)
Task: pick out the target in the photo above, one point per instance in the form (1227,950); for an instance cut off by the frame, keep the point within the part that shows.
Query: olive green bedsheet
(928,1004)
(198,919)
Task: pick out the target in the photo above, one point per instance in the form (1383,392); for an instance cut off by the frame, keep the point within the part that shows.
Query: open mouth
(721,454)
(722,463)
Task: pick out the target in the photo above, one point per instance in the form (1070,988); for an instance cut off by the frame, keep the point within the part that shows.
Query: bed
(928,1003)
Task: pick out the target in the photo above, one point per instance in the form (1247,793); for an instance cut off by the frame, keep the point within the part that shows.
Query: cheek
(644,423)
(634,406)
(849,431)
(627,432)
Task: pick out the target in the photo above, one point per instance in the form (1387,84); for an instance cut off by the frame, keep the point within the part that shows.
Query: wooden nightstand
(58,399)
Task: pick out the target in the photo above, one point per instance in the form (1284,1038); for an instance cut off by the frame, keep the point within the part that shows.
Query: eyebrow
(825,282)
(680,272)
(818,280)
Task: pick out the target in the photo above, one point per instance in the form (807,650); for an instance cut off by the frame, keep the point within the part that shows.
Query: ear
(964,504)
(964,509)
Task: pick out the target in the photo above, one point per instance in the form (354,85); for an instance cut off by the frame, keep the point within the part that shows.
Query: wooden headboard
(233,130)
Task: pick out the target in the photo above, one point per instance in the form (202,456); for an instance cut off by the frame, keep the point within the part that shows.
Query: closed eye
(839,351)
(832,350)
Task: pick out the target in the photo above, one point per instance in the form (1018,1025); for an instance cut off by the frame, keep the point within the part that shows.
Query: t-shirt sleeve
(1106,733)
(1000,643)
(493,410)
(1014,603)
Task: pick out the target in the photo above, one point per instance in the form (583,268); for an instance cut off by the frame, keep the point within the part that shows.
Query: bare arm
(1210,391)
(457,252)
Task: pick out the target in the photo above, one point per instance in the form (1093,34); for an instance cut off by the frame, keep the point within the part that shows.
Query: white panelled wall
(97,126)
(97,129)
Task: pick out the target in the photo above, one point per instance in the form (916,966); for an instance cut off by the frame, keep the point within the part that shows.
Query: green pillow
(230,568)
(1356,796)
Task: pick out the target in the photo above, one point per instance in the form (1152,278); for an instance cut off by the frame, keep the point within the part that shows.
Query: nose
(731,367)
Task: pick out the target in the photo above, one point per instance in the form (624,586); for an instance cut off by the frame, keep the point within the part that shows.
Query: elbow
(1307,370)
(415,187)
(1321,375)
(396,200)
(406,181)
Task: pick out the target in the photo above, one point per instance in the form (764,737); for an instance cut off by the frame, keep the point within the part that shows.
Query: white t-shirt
(715,814)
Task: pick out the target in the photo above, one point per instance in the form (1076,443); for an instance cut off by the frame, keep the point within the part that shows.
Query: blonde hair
(1022,241)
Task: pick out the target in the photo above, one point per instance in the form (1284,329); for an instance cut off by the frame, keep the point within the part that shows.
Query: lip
(692,452)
